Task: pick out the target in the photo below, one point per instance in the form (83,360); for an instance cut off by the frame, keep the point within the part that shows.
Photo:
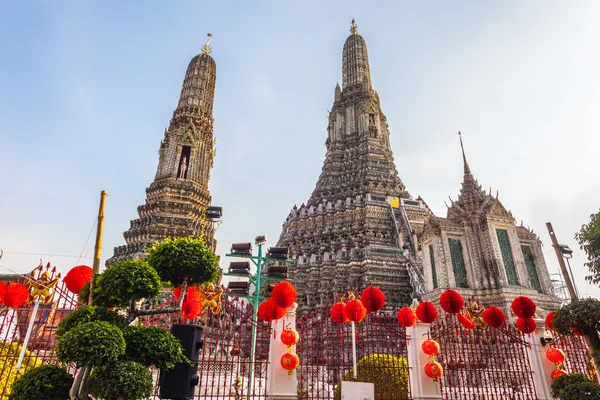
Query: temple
(355,229)
(178,199)
(361,227)
(480,251)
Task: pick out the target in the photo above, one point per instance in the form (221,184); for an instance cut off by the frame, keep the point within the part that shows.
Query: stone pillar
(422,387)
(281,385)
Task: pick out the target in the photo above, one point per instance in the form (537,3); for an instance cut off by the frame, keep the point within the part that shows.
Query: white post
(355,373)
(541,367)
(280,384)
(429,389)
(27,335)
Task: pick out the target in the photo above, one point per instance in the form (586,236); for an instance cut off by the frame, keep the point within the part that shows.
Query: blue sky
(87,89)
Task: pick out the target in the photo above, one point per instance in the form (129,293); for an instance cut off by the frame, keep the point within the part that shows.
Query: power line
(87,240)
(43,254)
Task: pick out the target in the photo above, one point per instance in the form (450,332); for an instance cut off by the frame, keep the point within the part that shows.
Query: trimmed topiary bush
(88,314)
(94,343)
(575,387)
(121,379)
(125,281)
(153,346)
(46,382)
(181,259)
(388,372)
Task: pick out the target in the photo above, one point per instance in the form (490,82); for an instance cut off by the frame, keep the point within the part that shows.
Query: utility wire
(43,254)
(87,240)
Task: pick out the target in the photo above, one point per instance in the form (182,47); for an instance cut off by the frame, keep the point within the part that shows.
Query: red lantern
(550,320)
(268,310)
(15,295)
(191,309)
(451,301)
(426,312)
(2,289)
(354,310)
(434,369)
(284,294)
(526,325)
(77,277)
(372,298)
(430,347)
(289,362)
(290,337)
(494,317)
(556,373)
(465,321)
(337,313)
(555,356)
(406,317)
(523,307)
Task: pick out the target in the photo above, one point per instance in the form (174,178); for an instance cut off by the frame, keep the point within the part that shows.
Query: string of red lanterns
(290,360)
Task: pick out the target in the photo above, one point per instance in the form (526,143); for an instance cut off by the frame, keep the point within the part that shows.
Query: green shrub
(121,379)
(47,382)
(575,387)
(153,346)
(583,314)
(179,259)
(94,343)
(124,281)
(88,314)
(389,374)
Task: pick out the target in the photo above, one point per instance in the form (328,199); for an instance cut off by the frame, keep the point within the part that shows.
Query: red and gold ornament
(430,347)
(289,362)
(550,320)
(77,277)
(494,317)
(555,355)
(523,307)
(354,309)
(337,313)
(434,370)
(269,311)
(426,312)
(372,299)
(284,294)
(526,325)
(290,337)
(465,320)
(451,301)
(407,317)
(15,295)
(556,373)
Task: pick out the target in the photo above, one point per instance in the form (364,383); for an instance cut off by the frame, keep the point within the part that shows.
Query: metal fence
(325,351)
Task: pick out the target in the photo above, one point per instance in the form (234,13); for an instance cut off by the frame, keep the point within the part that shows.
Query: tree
(114,357)
(49,382)
(582,316)
(575,387)
(389,374)
(184,261)
(589,241)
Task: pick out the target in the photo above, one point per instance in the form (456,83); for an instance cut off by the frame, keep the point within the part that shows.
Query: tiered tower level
(176,201)
(354,230)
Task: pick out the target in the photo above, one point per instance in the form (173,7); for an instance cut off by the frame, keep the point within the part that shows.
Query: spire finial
(466,165)
(207,49)
(353,28)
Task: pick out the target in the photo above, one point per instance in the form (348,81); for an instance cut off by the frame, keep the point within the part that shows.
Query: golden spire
(207,49)
(353,28)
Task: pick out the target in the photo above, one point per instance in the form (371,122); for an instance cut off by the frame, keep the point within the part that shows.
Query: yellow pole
(98,246)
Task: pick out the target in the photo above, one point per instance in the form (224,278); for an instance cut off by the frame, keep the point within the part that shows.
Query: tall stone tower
(355,231)
(177,200)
